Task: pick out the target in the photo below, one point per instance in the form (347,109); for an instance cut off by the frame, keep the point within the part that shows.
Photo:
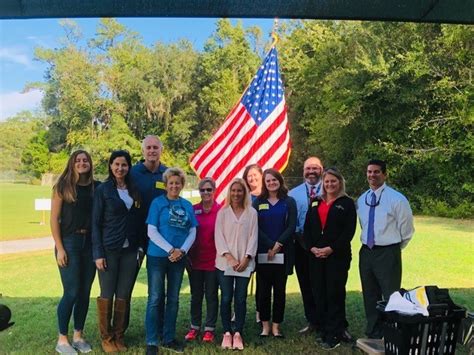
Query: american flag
(255,132)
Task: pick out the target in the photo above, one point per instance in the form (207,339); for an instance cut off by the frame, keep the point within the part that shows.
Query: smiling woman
(172,230)
(118,237)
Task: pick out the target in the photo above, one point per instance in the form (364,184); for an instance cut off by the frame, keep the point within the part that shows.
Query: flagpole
(274,32)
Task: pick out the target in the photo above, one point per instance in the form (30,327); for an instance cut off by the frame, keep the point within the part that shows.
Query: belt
(81,231)
(375,247)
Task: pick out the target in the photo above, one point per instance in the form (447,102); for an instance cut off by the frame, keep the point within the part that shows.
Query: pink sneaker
(192,334)
(208,336)
(227,341)
(238,343)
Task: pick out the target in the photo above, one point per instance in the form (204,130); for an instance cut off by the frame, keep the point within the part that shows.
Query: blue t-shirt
(173,219)
(272,220)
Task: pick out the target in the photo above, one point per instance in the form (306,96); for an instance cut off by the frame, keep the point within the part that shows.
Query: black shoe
(151,350)
(330,345)
(174,346)
(346,337)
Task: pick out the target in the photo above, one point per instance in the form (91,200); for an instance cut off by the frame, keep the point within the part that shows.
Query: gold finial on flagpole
(274,32)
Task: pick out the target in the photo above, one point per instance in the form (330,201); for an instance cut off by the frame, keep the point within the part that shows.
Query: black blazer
(112,222)
(339,230)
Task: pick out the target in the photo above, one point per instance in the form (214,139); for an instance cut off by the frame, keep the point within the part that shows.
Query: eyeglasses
(209,190)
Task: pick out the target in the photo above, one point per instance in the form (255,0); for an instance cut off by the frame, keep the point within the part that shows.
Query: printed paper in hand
(231,272)
(277,259)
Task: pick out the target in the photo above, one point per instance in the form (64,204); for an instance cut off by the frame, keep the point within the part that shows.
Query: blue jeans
(77,278)
(160,320)
(233,287)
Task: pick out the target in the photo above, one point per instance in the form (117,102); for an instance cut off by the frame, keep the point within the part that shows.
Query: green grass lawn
(18,218)
(441,253)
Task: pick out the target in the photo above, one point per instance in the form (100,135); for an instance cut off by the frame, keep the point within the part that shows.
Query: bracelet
(171,251)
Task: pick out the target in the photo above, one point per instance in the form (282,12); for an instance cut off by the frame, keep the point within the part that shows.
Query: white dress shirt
(393,222)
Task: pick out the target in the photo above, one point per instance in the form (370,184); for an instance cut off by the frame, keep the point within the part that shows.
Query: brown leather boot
(119,323)
(104,314)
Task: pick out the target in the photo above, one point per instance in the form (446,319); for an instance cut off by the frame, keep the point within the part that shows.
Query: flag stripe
(268,151)
(202,153)
(255,131)
(248,145)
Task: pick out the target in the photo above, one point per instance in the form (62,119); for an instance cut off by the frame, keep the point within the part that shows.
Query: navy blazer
(112,222)
(339,229)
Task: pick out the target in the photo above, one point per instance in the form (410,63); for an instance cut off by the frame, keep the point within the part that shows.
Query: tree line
(402,92)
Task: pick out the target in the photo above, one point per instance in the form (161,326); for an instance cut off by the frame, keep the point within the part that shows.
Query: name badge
(263,206)
(137,204)
(197,211)
(315,204)
(160,185)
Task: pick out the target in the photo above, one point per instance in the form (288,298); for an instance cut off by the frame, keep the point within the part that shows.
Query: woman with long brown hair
(71,211)
(276,226)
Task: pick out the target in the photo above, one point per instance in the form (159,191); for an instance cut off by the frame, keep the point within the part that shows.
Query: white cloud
(16,55)
(13,102)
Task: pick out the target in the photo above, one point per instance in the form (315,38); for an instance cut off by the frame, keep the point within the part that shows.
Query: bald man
(303,194)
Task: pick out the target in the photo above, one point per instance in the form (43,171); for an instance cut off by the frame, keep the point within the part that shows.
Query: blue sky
(18,38)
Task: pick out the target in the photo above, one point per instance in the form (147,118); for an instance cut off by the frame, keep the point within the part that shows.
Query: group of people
(262,227)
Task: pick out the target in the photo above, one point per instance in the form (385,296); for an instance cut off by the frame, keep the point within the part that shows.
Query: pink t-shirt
(202,254)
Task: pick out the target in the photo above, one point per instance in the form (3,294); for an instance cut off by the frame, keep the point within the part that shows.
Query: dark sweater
(112,222)
(285,238)
(339,230)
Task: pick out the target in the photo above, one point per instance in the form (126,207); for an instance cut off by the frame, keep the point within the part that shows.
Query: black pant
(271,276)
(328,281)
(119,276)
(302,271)
(203,282)
(380,274)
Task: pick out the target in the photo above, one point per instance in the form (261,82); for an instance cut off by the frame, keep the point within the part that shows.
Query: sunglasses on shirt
(206,190)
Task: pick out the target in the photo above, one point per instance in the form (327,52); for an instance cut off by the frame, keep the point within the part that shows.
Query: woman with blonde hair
(71,210)
(329,228)
(172,231)
(236,236)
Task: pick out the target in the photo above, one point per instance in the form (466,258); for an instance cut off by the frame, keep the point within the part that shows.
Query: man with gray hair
(148,173)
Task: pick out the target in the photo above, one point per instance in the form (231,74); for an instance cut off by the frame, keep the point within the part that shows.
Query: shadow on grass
(35,329)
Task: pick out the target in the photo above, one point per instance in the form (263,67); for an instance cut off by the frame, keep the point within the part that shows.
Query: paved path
(25,245)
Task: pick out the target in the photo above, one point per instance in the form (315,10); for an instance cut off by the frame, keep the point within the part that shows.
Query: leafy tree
(395,91)
(35,156)
(225,69)
(15,134)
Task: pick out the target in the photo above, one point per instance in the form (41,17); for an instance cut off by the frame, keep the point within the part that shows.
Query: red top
(202,255)
(323,210)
